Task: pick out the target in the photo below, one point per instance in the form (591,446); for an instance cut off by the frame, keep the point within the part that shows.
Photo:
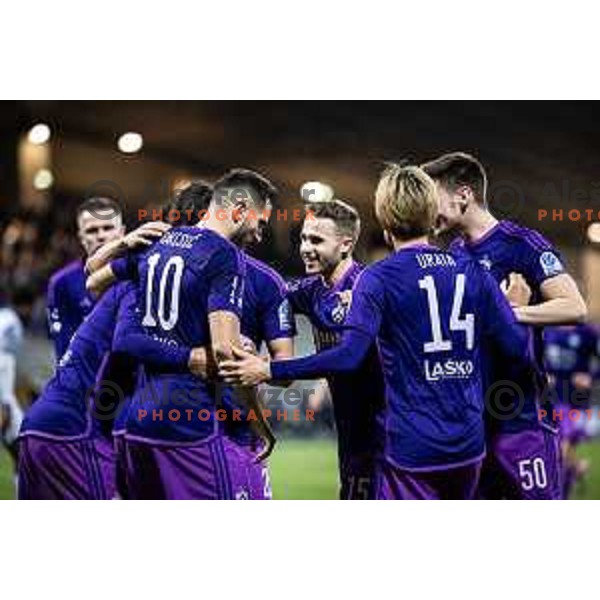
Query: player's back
(62,409)
(187,274)
(506,248)
(433,309)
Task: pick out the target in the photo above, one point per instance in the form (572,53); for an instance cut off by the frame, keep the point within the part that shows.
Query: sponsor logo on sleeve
(551,264)
(285,315)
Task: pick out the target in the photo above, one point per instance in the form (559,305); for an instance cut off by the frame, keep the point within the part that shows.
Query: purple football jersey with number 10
(182,278)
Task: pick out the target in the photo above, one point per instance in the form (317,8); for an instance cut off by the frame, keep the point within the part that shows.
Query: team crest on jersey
(486,263)
(341,309)
(551,264)
(86,304)
(338,314)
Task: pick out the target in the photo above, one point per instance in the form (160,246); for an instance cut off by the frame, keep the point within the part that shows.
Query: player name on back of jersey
(437,259)
(180,239)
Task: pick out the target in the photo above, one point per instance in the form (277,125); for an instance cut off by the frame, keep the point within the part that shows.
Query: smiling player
(329,234)
(523,460)
(430,315)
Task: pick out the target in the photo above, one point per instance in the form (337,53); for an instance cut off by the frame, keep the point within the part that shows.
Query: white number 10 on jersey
(175,266)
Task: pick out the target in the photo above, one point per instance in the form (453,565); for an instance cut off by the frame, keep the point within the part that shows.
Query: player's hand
(246,369)
(145,234)
(516,290)
(248,345)
(197,363)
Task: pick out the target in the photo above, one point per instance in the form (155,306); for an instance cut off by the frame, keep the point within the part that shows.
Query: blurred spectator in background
(11,414)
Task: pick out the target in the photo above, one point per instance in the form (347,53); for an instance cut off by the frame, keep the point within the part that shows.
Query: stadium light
(39,134)
(43,179)
(593,233)
(315,191)
(130,142)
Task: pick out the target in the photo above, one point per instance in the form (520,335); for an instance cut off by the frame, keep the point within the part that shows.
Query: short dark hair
(99,203)
(245,177)
(345,216)
(191,200)
(459,168)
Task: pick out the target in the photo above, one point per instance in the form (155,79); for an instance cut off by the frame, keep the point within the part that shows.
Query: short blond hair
(406,202)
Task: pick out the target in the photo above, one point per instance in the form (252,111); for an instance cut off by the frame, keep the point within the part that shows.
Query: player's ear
(465,197)
(346,249)
(387,236)
(239,211)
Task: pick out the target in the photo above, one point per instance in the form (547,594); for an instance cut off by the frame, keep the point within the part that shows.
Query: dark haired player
(430,315)
(329,234)
(265,318)
(191,289)
(523,454)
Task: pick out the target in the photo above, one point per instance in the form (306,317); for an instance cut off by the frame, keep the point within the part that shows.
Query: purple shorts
(357,478)
(522,466)
(120,468)
(213,469)
(251,478)
(65,470)
(458,483)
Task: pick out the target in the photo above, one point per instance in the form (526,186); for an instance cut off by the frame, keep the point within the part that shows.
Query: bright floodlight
(130,142)
(315,191)
(594,233)
(39,134)
(43,179)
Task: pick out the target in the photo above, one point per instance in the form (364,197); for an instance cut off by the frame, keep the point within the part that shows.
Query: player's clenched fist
(516,290)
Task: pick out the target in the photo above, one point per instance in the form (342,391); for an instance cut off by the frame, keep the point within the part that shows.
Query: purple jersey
(504,249)
(62,409)
(570,350)
(68,303)
(266,316)
(357,397)
(431,314)
(182,278)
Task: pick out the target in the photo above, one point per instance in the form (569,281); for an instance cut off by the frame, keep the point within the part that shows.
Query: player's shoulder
(306,285)
(524,236)
(70,272)
(122,288)
(377,271)
(263,273)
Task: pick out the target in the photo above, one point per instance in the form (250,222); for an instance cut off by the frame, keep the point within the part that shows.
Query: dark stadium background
(539,155)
